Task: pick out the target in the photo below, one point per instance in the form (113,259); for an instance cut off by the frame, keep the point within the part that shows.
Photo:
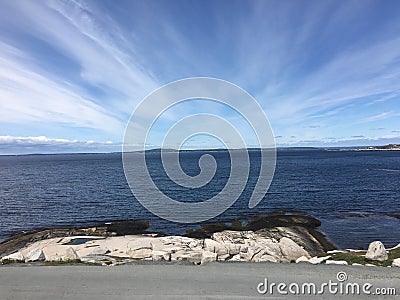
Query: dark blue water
(350,192)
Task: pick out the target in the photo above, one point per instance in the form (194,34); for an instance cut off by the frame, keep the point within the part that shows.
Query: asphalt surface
(177,281)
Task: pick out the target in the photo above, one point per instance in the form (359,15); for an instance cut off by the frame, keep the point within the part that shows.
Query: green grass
(63,262)
(394,254)
(355,257)
(10,261)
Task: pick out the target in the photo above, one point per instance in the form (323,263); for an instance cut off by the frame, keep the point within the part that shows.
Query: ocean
(354,194)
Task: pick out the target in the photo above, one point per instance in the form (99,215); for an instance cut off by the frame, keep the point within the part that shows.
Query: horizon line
(355,147)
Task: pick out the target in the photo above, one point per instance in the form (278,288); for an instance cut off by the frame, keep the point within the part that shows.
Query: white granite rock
(236,257)
(187,255)
(98,259)
(291,250)
(70,254)
(158,255)
(266,257)
(302,259)
(16,256)
(376,251)
(317,260)
(139,253)
(336,262)
(35,255)
(221,250)
(210,245)
(396,262)
(100,250)
(208,256)
(223,257)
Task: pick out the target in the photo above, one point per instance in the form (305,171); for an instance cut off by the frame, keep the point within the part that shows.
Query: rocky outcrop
(35,255)
(376,251)
(110,229)
(16,256)
(277,237)
(228,245)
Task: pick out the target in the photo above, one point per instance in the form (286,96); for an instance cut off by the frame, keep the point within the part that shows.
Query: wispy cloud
(378,117)
(106,61)
(28,96)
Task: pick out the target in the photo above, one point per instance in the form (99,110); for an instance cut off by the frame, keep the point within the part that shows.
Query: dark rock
(128,227)
(207,230)
(282,220)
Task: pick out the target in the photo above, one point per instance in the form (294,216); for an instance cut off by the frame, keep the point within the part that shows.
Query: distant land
(389,147)
(224,149)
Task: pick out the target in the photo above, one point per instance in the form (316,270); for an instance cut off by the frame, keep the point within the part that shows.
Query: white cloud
(107,60)
(43,144)
(27,96)
(43,140)
(377,117)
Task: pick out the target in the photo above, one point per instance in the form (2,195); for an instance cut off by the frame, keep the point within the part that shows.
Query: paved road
(174,281)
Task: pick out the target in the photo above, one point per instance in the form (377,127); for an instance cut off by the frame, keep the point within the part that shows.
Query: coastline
(278,237)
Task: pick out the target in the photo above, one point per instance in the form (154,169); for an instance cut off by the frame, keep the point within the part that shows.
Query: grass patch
(63,262)
(350,257)
(395,253)
(11,261)
(355,257)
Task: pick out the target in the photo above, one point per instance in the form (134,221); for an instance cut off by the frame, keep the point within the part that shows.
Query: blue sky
(326,73)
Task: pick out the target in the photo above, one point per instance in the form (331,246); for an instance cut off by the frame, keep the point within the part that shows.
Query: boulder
(208,256)
(35,255)
(396,262)
(291,250)
(70,254)
(376,251)
(16,256)
(336,262)
(159,255)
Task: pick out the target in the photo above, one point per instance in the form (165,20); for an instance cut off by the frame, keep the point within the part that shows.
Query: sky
(326,73)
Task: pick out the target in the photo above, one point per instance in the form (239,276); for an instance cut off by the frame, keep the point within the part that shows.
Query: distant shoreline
(390,147)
